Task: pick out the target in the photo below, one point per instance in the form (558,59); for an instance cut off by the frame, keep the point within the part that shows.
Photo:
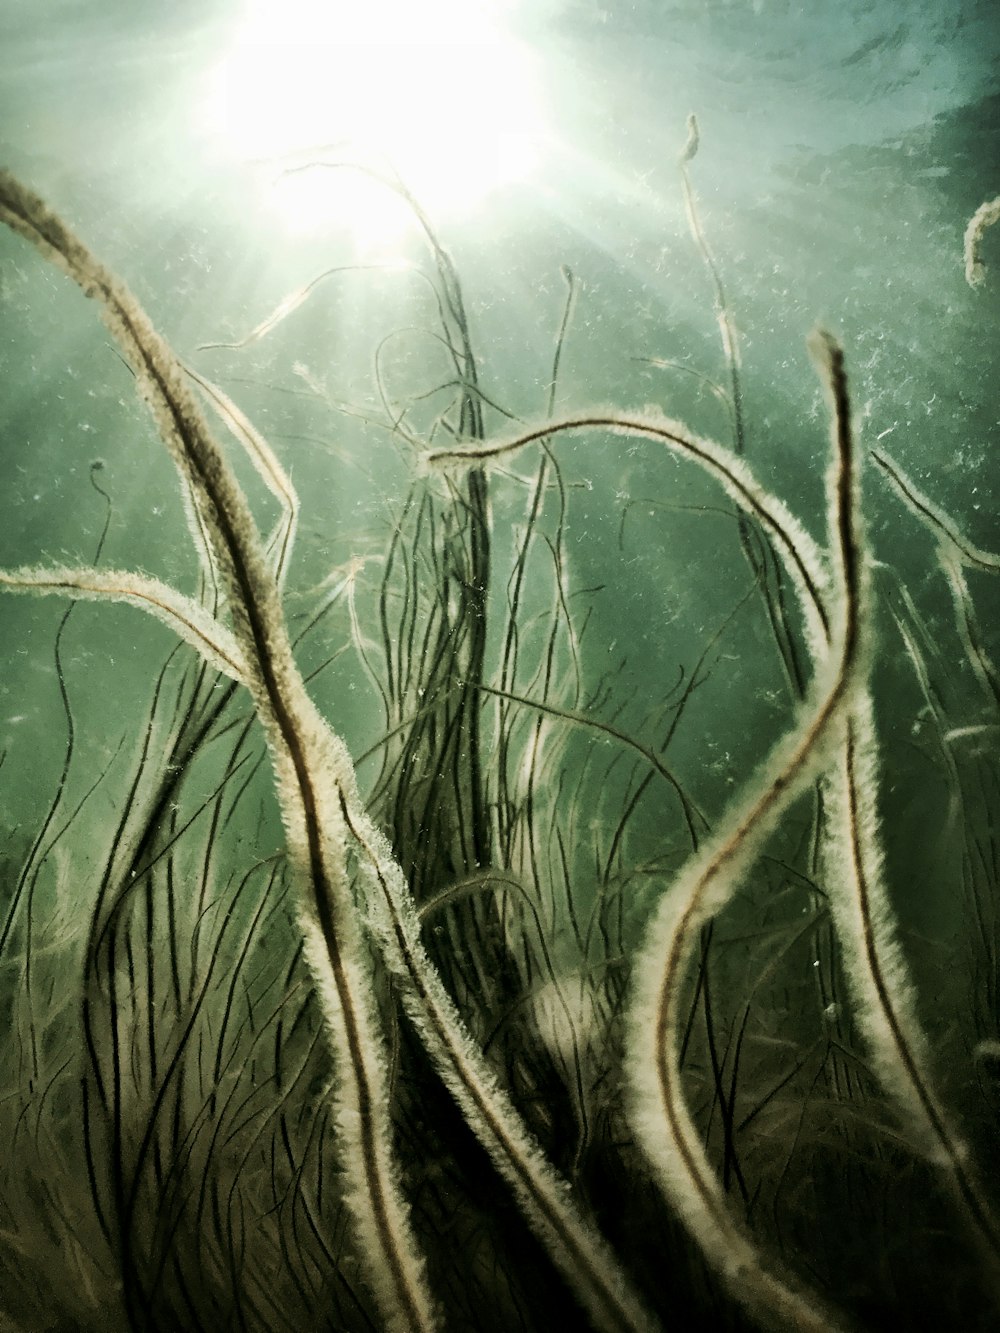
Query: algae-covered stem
(317,792)
(299,747)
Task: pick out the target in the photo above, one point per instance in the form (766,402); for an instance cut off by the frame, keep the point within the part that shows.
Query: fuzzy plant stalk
(666,1129)
(862,909)
(986,215)
(333,840)
(323,814)
(672,1140)
(301,748)
(834,740)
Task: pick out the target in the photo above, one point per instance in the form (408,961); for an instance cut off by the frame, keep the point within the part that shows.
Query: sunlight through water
(440,93)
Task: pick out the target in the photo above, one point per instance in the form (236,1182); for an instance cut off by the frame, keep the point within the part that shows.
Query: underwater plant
(453,1036)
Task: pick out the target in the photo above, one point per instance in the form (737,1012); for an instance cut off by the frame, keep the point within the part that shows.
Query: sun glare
(439,90)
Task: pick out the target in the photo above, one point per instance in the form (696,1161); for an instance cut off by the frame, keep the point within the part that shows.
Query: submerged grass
(523,1007)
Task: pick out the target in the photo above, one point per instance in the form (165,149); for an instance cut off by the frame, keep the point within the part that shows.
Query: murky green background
(843,150)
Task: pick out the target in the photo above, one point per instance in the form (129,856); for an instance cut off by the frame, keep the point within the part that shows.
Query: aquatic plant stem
(756,549)
(798,551)
(878,979)
(320,805)
(299,742)
(672,1141)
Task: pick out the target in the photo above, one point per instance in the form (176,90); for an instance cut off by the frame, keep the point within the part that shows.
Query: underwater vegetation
(532,1026)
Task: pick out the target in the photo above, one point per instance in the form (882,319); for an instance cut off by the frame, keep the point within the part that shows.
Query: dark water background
(843,150)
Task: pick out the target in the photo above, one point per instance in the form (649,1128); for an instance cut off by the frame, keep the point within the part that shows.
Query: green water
(565,674)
